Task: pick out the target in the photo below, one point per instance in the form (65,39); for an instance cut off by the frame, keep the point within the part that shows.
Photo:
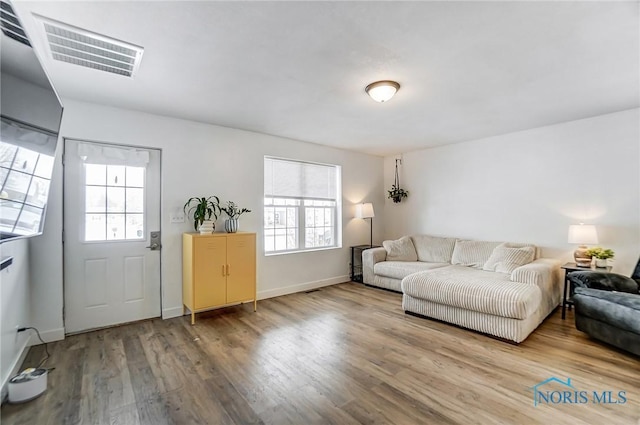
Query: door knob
(154,239)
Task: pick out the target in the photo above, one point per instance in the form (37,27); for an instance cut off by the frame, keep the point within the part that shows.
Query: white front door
(111,208)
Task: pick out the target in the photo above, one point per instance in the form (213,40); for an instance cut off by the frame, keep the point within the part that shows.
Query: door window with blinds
(301,206)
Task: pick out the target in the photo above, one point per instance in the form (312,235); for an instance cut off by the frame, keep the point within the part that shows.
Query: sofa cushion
(472,253)
(433,249)
(506,258)
(400,250)
(618,309)
(476,290)
(401,269)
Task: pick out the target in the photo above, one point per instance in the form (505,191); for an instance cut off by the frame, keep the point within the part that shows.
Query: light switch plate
(177,218)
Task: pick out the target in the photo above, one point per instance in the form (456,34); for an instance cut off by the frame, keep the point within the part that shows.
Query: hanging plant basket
(397,193)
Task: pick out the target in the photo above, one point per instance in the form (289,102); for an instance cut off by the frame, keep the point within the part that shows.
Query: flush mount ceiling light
(381,91)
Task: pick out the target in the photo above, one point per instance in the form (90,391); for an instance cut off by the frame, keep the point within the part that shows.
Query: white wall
(37,106)
(200,159)
(45,264)
(29,103)
(529,186)
(14,306)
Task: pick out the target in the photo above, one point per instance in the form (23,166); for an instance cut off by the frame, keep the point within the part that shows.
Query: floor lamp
(365,210)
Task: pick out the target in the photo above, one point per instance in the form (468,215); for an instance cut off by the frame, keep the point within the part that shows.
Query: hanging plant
(397,193)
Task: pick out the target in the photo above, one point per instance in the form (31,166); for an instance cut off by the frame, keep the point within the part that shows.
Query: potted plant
(397,193)
(601,255)
(233,211)
(202,209)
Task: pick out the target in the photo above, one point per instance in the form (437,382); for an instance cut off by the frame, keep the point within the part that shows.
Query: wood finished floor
(346,354)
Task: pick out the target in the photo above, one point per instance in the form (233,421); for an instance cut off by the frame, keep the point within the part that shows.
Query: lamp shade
(365,210)
(583,234)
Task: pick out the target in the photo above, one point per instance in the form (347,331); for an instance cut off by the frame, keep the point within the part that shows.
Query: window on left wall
(301,206)
(24,188)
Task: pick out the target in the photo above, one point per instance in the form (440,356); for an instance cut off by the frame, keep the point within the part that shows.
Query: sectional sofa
(498,288)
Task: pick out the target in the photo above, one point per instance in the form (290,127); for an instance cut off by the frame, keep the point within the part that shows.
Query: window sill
(301,251)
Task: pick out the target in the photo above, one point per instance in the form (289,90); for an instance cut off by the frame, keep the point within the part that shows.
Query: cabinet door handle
(223,270)
(227,270)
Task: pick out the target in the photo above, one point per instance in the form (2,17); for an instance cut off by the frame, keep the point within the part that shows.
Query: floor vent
(11,26)
(84,48)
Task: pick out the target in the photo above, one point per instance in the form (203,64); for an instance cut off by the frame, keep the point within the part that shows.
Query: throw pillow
(400,250)
(433,249)
(505,258)
(472,253)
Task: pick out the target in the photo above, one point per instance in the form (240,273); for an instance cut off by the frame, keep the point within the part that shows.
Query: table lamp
(365,210)
(582,234)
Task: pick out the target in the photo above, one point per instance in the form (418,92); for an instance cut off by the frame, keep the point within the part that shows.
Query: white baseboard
(15,367)
(47,336)
(168,313)
(301,287)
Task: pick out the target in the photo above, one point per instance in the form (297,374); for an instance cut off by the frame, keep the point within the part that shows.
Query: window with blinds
(301,205)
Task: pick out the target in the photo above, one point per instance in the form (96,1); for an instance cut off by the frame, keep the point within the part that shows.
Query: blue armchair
(607,307)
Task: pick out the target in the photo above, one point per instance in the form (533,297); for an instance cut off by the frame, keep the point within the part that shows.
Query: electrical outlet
(177,218)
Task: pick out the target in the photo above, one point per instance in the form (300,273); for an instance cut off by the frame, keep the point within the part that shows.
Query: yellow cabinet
(218,269)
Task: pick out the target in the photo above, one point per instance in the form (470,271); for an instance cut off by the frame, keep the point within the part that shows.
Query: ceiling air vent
(11,26)
(91,50)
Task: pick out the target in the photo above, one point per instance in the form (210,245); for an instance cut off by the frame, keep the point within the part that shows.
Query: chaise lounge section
(500,289)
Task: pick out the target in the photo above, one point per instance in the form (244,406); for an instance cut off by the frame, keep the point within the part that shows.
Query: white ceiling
(298,69)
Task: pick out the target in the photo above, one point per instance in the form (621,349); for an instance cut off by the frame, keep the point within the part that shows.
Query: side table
(356,261)
(567,292)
